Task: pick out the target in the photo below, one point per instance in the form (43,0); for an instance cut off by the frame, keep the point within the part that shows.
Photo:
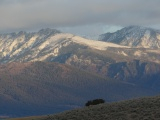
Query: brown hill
(41,88)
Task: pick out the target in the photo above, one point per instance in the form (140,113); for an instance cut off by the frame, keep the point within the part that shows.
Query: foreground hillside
(139,109)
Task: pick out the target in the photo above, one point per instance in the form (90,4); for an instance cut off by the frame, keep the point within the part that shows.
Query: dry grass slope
(139,109)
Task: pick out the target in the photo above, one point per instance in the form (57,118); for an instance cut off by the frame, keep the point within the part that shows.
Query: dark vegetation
(95,102)
(138,109)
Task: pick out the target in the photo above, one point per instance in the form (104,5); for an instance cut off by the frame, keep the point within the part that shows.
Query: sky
(85,17)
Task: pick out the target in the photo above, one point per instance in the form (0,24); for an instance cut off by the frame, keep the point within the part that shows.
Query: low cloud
(35,14)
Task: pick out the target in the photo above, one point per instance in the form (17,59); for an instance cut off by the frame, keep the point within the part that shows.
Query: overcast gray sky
(75,15)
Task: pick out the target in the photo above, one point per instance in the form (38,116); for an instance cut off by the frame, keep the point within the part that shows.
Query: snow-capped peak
(134,36)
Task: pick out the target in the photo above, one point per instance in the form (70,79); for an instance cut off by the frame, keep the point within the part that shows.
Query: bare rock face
(134,36)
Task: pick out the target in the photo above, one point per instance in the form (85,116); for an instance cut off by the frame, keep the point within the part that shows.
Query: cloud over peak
(30,14)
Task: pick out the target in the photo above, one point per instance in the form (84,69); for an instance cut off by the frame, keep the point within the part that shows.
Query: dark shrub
(94,102)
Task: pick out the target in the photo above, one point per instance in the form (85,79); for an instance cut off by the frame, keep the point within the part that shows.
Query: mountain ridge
(134,36)
(39,46)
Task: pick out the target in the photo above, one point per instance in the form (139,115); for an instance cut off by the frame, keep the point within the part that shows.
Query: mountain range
(42,46)
(49,71)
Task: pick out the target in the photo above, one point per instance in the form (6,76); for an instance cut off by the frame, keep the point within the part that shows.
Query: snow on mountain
(134,36)
(50,44)
(96,44)
(41,45)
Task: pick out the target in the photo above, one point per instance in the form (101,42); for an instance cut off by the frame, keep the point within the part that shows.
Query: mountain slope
(43,88)
(137,72)
(103,58)
(138,109)
(27,87)
(134,36)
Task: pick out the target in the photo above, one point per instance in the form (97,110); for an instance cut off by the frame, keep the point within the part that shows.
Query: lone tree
(95,102)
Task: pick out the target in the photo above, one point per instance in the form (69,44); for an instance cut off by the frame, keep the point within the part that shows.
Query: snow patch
(96,44)
(154,51)
(14,44)
(158,37)
(138,53)
(122,53)
(145,40)
(31,42)
(43,45)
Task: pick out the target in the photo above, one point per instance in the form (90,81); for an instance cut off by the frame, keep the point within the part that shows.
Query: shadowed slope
(43,88)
